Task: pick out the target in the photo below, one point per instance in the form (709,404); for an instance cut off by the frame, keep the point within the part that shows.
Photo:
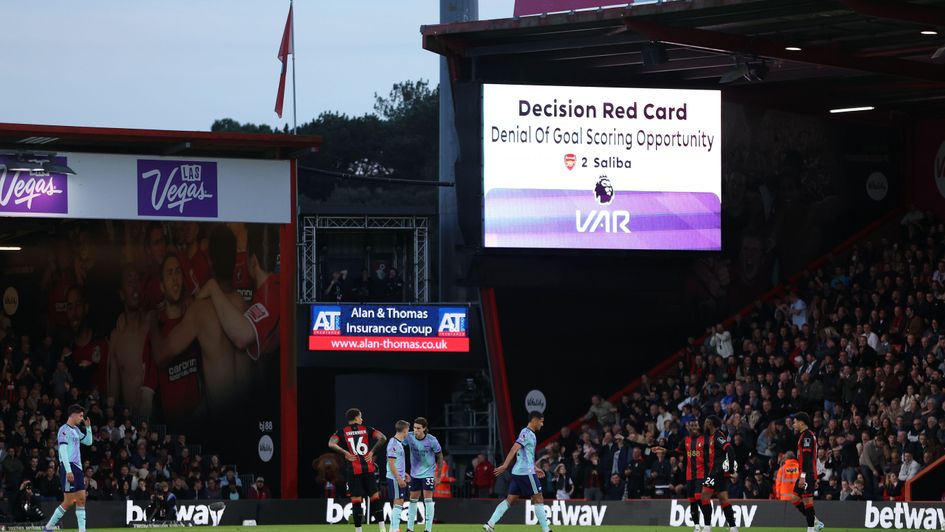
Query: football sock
(499,512)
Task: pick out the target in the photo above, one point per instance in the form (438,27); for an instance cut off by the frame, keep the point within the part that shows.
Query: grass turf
(478,528)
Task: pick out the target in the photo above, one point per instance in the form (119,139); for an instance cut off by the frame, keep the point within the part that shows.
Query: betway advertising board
(748,513)
(129,187)
(347,327)
(601,168)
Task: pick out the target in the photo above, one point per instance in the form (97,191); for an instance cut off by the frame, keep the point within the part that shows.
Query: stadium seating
(849,340)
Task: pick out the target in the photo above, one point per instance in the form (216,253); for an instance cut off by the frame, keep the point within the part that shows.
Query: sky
(181,64)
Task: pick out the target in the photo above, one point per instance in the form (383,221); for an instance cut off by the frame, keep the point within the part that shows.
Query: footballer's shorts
(716,483)
(694,487)
(360,486)
(422,484)
(807,491)
(394,491)
(525,485)
(78,481)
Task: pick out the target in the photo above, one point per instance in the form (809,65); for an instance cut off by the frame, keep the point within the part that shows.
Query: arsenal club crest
(569,161)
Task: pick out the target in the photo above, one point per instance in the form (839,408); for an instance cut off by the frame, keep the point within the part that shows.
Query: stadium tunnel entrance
(118,245)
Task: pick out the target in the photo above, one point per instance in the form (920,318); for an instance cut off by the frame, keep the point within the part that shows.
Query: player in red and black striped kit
(806,485)
(354,442)
(722,458)
(696,461)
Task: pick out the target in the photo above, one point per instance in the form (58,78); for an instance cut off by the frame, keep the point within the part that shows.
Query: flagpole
(295,121)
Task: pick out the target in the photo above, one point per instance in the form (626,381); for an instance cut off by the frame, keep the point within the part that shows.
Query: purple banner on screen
(33,192)
(573,219)
(187,189)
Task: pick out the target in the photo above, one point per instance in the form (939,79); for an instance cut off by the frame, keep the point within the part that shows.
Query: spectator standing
(721,341)
(563,485)
(483,477)
(593,481)
(601,411)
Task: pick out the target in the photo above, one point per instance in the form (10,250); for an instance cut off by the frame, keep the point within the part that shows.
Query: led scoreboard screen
(347,327)
(601,168)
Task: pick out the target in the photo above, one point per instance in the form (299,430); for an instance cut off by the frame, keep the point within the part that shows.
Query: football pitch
(478,528)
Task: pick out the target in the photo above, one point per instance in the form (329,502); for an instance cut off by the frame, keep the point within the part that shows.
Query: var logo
(452,322)
(597,221)
(326,320)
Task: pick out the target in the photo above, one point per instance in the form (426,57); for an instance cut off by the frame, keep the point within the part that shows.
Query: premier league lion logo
(604,191)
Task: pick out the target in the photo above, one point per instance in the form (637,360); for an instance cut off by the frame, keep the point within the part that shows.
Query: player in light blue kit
(397,476)
(426,457)
(70,467)
(525,474)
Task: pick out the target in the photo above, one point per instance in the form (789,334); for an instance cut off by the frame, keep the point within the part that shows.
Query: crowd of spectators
(41,377)
(126,461)
(384,284)
(859,344)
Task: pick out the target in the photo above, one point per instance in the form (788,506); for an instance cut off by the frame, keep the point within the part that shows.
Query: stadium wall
(748,513)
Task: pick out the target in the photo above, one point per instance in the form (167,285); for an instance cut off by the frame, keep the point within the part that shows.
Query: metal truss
(308,250)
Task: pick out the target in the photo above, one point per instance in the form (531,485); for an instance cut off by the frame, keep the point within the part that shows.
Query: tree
(399,139)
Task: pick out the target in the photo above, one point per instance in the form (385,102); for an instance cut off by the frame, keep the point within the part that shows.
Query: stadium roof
(859,52)
(30,137)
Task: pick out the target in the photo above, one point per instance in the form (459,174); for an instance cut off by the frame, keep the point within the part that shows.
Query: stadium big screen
(601,168)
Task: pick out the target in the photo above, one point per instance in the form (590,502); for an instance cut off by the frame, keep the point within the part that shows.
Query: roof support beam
(923,15)
(724,42)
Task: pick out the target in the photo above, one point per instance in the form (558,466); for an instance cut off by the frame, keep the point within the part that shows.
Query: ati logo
(452,322)
(326,321)
(744,515)
(602,221)
(569,161)
(561,513)
(337,513)
(195,514)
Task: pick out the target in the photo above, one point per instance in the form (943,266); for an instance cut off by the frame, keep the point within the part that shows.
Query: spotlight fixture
(939,55)
(654,54)
(33,162)
(53,168)
(747,71)
(792,48)
(852,109)
(929,32)
(20,164)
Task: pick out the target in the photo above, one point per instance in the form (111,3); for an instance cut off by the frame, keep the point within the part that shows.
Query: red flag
(284,50)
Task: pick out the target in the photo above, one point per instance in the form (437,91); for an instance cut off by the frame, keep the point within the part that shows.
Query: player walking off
(695,461)
(722,458)
(525,474)
(426,459)
(360,468)
(397,477)
(70,467)
(803,497)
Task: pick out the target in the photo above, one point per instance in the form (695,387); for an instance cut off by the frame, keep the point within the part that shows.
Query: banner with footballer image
(176,321)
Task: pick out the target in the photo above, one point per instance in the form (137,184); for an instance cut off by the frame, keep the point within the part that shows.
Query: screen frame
(571,251)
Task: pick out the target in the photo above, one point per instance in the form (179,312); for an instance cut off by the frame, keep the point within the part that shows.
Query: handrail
(907,492)
(660,368)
